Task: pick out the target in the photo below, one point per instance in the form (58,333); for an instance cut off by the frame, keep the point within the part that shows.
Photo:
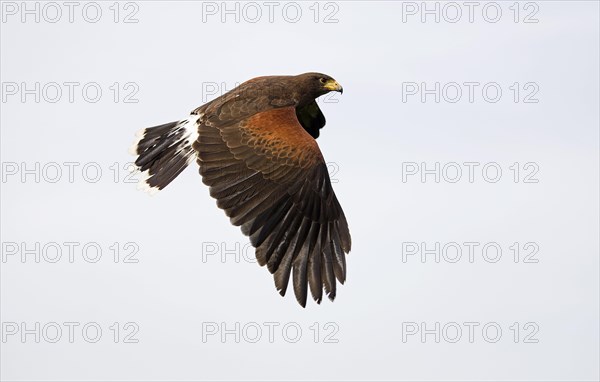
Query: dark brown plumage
(257,152)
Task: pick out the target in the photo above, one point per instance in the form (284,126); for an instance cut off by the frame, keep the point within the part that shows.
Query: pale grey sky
(541,132)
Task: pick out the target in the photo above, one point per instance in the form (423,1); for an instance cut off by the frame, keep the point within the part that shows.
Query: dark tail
(164,151)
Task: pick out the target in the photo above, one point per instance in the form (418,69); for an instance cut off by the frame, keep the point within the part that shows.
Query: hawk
(257,153)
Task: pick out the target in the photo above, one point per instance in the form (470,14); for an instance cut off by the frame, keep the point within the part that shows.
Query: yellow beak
(334,86)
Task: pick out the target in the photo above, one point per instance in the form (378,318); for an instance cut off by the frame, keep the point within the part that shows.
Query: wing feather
(269,176)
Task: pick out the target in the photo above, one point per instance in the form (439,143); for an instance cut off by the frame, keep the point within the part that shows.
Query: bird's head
(317,84)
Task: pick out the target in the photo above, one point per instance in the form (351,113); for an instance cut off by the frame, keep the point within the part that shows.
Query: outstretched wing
(269,176)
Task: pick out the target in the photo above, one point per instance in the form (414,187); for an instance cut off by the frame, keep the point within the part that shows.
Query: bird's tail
(164,151)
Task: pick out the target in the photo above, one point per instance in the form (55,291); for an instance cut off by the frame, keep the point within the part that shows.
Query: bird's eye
(322,80)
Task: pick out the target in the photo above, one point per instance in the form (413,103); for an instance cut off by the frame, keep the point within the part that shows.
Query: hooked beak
(333,85)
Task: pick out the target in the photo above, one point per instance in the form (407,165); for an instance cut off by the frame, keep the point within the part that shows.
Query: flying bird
(257,152)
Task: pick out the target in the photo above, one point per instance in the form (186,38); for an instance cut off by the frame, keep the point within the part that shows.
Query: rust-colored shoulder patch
(277,134)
